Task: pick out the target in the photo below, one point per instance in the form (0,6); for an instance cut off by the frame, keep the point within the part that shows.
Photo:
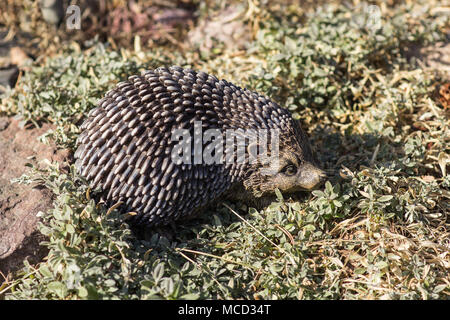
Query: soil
(19,204)
(434,57)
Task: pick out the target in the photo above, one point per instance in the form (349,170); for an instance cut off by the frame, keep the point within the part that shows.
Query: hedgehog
(169,142)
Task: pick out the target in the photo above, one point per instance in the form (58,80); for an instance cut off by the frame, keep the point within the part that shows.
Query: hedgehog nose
(311,176)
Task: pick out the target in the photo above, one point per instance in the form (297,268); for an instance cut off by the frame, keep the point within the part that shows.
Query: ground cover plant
(377,229)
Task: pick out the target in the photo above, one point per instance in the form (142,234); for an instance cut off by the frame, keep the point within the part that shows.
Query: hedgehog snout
(310,176)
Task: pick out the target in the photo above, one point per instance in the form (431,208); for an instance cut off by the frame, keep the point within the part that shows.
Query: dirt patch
(224,28)
(19,204)
(434,57)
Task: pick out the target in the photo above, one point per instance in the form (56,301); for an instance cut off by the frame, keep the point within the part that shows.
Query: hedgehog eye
(289,170)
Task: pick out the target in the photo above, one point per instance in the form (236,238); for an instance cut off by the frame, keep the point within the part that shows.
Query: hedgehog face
(293,170)
(291,174)
(295,174)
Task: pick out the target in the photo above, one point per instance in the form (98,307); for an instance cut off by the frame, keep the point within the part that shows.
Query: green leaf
(329,188)
(58,288)
(82,292)
(45,271)
(337,203)
(278,194)
(168,285)
(360,270)
(318,193)
(158,272)
(190,296)
(385,198)
(381,265)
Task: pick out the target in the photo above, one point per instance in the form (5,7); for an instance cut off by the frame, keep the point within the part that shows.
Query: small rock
(8,76)
(18,56)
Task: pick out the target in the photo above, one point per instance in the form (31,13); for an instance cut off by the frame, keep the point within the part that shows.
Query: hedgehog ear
(258,155)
